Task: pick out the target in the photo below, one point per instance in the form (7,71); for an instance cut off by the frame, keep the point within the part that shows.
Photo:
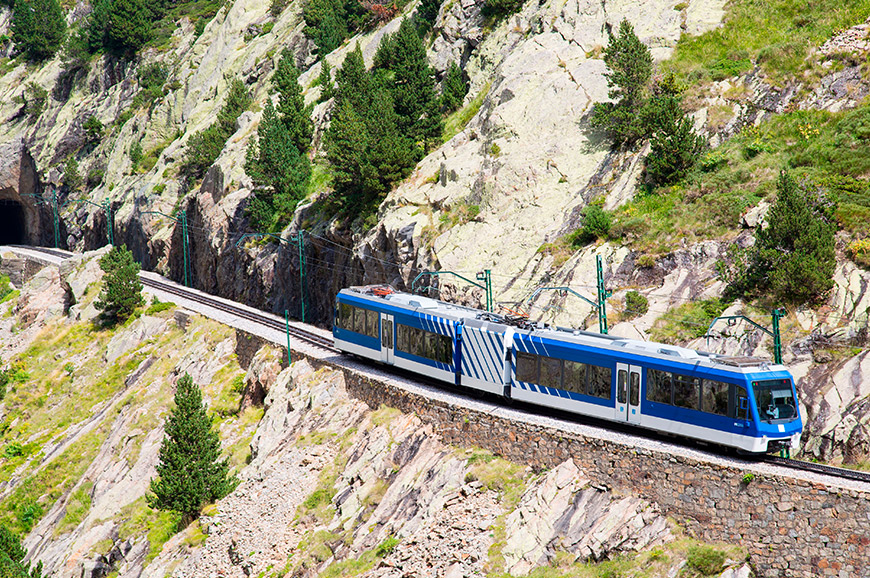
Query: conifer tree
(346,150)
(353,81)
(453,88)
(122,290)
(291,104)
(38,28)
(629,64)
(12,557)
(191,473)
(325,81)
(414,96)
(794,255)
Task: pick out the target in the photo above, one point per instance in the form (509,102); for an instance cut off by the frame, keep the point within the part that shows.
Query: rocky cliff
(329,486)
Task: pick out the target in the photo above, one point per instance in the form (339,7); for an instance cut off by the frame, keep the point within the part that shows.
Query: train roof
(419,303)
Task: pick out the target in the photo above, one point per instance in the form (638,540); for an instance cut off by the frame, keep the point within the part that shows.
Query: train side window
(527,367)
(687,391)
(714,398)
(359,320)
(599,381)
(345,316)
(634,395)
(551,372)
(442,348)
(387,334)
(574,377)
(418,342)
(402,341)
(658,386)
(372,323)
(741,410)
(621,378)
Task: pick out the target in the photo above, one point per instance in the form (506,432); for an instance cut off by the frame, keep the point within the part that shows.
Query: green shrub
(596,225)
(453,88)
(794,256)
(501,8)
(686,322)
(95,177)
(152,77)
(93,130)
(635,305)
(705,560)
(71,176)
(5,287)
(35,98)
(276,7)
(135,154)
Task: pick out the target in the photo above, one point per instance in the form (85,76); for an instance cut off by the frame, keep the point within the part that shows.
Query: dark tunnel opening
(12,227)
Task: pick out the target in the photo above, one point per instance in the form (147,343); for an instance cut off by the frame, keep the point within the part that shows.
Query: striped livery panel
(482,354)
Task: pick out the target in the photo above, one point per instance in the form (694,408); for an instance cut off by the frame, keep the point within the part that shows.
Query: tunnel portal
(13,230)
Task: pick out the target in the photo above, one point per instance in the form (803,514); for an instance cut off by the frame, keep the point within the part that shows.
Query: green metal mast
(603,294)
(299,239)
(484,276)
(775,316)
(180,218)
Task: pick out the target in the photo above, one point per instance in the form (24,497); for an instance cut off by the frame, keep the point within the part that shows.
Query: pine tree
(325,81)
(191,473)
(12,558)
(794,255)
(127,24)
(675,146)
(122,290)
(454,87)
(353,81)
(427,13)
(72,178)
(346,150)
(275,163)
(291,104)
(413,91)
(325,24)
(38,28)
(629,63)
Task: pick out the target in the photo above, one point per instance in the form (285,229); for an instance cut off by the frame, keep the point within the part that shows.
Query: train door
(387,341)
(628,393)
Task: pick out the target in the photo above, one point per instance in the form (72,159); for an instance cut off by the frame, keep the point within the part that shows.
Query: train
(744,403)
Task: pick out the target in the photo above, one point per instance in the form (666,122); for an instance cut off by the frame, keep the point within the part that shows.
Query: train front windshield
(774,400)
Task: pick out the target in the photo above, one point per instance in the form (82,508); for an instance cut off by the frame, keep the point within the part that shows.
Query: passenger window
(658,386)
(715,397)
(345,316)
(359,320)
(621,385)
(599,381)
(574,377)
(634,396)
(742,409)
(527,367)
(551,372)
(687,391)
(372,323)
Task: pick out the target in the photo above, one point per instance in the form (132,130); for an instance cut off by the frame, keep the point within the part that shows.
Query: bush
(453,88)
(12,556)
(135,154)
(93,130)
(71,176)
(204,147)
(635,305)
(122,291)
(500,8)
(152,77)
(35,99)
(705,560)
(596,225)
(123,26)
(794,256)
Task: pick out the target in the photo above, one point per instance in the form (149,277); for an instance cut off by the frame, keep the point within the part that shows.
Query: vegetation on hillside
(384,119)
(122,291)
(204,147)
(12,556)
(191,473)
(38,28)
(276,159)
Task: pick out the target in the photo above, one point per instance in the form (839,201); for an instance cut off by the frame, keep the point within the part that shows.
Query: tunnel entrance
(12,224)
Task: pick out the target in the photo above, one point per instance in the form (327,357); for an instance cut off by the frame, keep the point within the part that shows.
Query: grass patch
(686,322)
(157,526)
(385,415)
(24,507)
(778,34)
(77,508)
(455,123)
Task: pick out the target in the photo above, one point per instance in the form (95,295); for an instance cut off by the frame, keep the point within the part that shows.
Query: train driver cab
(775,400)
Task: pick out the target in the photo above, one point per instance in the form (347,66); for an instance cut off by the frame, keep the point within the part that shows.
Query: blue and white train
(743,403)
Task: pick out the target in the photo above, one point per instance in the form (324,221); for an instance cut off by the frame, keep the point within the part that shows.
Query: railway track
(326,344)
(262,318)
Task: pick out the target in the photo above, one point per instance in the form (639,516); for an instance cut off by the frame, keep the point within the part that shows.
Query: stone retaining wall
(789,527)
